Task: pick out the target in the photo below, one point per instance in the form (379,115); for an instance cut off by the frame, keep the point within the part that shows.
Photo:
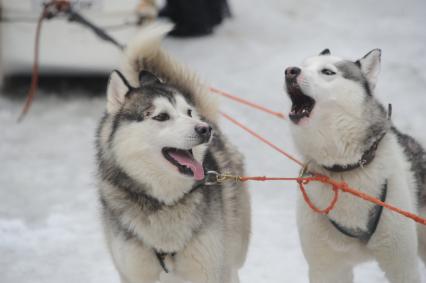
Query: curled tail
(145,53)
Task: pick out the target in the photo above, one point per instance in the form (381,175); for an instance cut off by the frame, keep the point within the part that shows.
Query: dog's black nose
(204,131)
(292,72)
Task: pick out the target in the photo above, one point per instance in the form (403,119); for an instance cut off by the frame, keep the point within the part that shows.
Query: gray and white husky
(156,143)
(344,132)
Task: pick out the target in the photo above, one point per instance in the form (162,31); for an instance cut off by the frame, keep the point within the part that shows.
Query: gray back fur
(417,157)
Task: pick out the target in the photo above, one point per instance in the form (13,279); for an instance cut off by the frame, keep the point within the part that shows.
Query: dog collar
(367,158)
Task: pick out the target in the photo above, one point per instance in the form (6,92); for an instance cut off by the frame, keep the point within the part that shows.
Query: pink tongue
(187,160)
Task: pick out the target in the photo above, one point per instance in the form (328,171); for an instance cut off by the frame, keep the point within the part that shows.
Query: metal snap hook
(212,178)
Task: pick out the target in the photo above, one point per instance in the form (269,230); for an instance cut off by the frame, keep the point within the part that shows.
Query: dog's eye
(162,117)
(189,112)
(327,72)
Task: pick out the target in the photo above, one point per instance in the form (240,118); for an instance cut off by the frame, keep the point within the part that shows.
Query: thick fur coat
(335,120)
(150,207)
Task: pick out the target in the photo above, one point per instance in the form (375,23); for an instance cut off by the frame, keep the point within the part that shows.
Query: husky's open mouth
(184,161)
(302,103)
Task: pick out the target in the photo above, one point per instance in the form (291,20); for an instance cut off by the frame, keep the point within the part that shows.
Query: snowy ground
(49,228)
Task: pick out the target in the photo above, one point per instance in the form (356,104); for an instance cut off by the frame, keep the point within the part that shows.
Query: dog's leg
(170,278)
(421,232)
(399,265)
(203,260)
(124,280)
(326,264)
(234,276)
(395,248)
(135,263)
(330,274)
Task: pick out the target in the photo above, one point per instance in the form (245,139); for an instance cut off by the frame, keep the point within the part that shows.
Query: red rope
(35,71)
(58,5)
(345,188)
(254,134)
(312,206)
(248,103)
(336,186)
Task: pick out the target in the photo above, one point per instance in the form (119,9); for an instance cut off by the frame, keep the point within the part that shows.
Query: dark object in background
(195,17)
(50,84)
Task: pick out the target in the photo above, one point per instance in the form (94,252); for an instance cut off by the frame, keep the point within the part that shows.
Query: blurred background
(49,224)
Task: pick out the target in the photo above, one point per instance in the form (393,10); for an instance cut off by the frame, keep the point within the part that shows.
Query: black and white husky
(155,144)
(345,133)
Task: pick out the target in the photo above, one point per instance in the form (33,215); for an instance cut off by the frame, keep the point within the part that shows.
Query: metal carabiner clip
(212,178)
(304,173)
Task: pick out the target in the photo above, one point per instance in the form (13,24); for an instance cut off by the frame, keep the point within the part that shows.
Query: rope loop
(323,179)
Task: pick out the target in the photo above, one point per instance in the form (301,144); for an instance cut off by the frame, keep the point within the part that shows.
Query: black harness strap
(373,221)
(162,258)
(376,212)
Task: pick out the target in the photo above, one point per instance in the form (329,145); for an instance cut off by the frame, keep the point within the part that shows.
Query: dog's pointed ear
(325,52)
(146,78)
(117,89)
(370,66)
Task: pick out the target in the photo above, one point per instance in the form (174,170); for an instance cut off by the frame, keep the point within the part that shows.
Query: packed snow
(49,212)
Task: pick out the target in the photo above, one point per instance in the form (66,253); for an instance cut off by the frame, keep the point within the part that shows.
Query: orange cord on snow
(248,103)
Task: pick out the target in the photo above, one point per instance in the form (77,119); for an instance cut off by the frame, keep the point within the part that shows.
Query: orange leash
(336,186)
(259,137)
(301,182)
(345,188)
(248,103)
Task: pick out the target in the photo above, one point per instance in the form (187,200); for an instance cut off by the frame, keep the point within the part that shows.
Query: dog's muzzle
(291,73)
(204,132)
(302,104)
